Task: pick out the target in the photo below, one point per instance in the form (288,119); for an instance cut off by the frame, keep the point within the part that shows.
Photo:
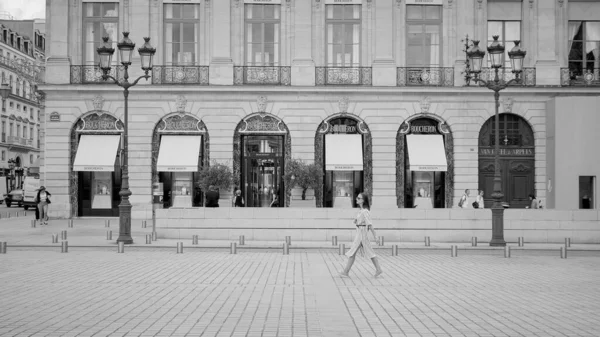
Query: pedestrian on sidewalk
(43,200)
(364,225)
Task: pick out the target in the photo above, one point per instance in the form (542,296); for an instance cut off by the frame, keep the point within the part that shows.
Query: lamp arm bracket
(138,79)
(106,77)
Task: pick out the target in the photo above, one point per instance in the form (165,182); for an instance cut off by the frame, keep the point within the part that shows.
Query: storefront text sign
(182,1)
(54,117)
(343,129)
(506,152)
(424,2)
(423,129)
(274,2)
(343,2)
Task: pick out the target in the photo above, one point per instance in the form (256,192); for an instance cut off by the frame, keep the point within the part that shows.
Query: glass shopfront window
(262,184)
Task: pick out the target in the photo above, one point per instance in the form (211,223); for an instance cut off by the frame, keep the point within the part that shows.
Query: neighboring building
(22,60)
(372,91)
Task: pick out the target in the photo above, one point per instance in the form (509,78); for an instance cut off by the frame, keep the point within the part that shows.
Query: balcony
(13,140)
(576,77)
(527,76)
(343,76)
(425,76)
(197,75)
(92,74)
(262,75)
(30,71)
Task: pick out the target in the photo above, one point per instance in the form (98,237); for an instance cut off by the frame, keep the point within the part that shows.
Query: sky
(24,9)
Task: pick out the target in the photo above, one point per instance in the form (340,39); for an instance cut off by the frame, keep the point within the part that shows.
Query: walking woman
(364,225)
(43,200)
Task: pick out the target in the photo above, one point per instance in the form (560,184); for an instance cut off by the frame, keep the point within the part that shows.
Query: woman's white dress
(361,240)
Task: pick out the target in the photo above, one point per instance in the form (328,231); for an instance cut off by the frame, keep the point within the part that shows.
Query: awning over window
(343,153)
(426,153)
(179,153)
(96,153)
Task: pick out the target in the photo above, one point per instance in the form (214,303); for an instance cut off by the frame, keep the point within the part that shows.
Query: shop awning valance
(343,152)
(96,153)
(426,153)
(178,153)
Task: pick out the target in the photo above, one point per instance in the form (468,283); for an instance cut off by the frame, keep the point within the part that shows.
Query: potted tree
(305,176)
(218,175)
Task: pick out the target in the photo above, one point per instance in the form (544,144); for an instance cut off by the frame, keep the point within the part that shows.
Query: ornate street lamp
(106,52)
(4,92)
(475,55)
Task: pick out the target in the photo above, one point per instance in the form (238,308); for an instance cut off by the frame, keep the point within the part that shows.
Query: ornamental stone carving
(507,103)
(425,104)
(530,3)
(98,102)
(261,104)
(343,104)
(479,3)
(561,3)
(180,103)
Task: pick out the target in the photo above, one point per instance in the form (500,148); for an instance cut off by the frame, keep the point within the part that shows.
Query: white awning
(179,153)
(426,153)
(96,153)
(343,153)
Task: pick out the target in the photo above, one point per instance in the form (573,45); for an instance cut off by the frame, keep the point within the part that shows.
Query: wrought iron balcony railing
(275,75)
(527,76)
(343,76)
(580,77)
(19,141)
(92,74)
(175,74)
(30,71)
(425,76)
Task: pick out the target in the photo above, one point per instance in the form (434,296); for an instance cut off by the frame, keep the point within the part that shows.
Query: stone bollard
(334,240)
(144,224)
(286,248)
(342,249)
(427,241)
(507,251)
(108,235)
(63,235)
(194,239)
(233,248)
(54,238)
(33,223)
(474,241)
(242,240)
(453,251)
(563,252)
(120,247)
(395,250)
(288,240)
(3,247)
(521,241)
(106,223)
(64,247)
(148,239)
(154,236)
(568,242)
(70,223)
(179,247)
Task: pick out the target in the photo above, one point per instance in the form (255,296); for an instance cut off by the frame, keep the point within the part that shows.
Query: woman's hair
(366,200)
(532,196)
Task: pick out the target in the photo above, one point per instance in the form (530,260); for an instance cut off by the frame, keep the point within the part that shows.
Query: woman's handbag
(475,204)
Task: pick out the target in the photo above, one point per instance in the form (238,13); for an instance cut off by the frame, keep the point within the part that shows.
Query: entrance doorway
(262,183)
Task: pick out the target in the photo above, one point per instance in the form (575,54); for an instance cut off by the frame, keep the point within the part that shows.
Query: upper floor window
(31,133)
(31,113)
(584,47)
(508,32)
(181,34)
(99,19)
(424,31)
(262,35)
(343,35)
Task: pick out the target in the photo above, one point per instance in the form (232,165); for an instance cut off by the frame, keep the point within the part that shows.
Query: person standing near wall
(464,200)
(212,197)
(43,200)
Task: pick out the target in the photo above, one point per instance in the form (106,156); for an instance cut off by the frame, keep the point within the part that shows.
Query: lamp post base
(497,226)
(125,239)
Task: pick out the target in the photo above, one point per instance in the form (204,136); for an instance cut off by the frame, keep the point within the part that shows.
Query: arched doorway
(176,177)
(517,160)
(343,147)
(424,163)
(261,147)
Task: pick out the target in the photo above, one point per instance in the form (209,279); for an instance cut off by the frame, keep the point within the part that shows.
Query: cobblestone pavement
(208,292)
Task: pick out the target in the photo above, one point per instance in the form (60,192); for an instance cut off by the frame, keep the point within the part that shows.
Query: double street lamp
(516,55)
(106,52)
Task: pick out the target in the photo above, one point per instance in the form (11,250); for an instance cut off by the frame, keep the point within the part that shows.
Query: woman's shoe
(344,274)
(377,273)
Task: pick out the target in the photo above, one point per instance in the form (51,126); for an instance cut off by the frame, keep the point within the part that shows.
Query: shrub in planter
(303,175)
(217,174)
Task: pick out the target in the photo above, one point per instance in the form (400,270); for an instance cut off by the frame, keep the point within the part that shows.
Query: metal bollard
(54,238)
(567,242)
(334,240)
(108,235)
(70,223)
(454,251)
(63,235)
(342,249)
(288,240)
(242,240)
(395,250)
(144,224)
(521,241)
(233,248)
(286,248)
(121,247)
(194,239)
(381,241)
(179,247)
(106,223)
(563,252)
(64,247)
(3,247)
(474,241)
(148,239)
(154,236)
(33,223)
(427,241)
(507,251)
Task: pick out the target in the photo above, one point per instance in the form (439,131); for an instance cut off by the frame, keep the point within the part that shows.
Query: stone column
(303,66)
(547,66)
(221,64)
(138,20)
(384,69)
(57,26)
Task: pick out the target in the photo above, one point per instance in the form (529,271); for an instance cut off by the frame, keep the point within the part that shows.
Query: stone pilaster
(547,66)
(384,69)
(303,66)
(221,63)
(58,63)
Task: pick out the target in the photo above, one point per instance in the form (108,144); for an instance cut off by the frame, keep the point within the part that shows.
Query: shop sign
(341,128)
(182,1)
(424,2)
(343,2)
(423,129)
(54,116)
(275,2)
(506,152)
